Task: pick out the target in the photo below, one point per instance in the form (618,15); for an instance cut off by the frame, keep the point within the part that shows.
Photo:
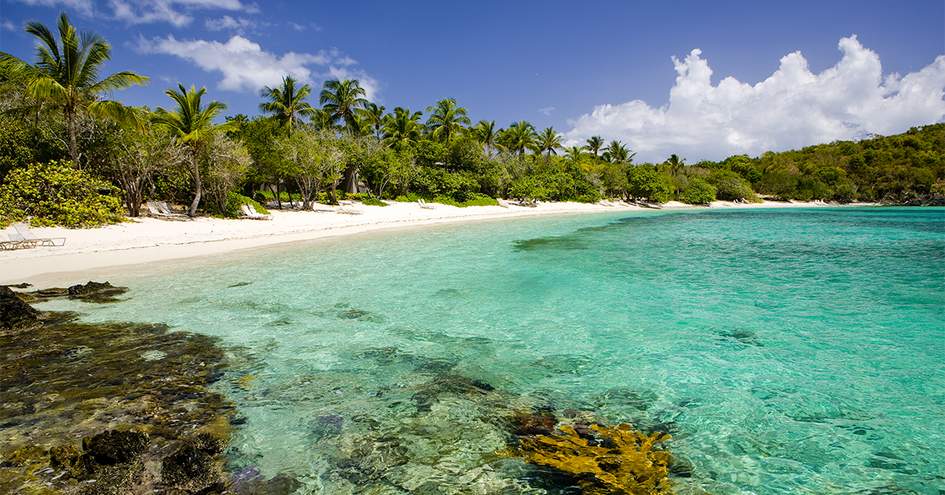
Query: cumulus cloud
(791,108)
(175,12)
(227,22)
(83,7)
(245,66)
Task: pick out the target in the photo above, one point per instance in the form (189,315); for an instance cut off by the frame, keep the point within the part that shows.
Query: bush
(56,193)
(233,203)
(730,186)
(407,198)
(698,192)
(649,184)
(473,200)
(372,201)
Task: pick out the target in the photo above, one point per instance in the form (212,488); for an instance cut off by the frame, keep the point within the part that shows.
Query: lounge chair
(26,236)
(159,209)
(423,204)
(320,208)
(251,213)
(14,242)
(347,210)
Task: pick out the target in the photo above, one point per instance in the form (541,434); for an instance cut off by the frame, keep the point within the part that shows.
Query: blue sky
(548,62)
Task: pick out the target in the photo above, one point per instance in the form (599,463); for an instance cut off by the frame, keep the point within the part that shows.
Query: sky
(701,79)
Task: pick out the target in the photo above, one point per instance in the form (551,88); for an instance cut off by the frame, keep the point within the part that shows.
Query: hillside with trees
(70,156)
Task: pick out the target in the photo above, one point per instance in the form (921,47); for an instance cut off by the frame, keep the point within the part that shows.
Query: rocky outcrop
(14,313)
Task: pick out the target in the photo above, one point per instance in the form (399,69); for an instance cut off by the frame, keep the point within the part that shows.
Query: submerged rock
(14,313)
(95,292)
(61,381)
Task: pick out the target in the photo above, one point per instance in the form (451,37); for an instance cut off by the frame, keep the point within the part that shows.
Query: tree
(313,156)
(548,141)
(372,115)
(446,119)
(227,163)
(67,75)
(402,128)
(142,150)
(574,153)
(341,100)
(698,192)
(191,124)
(594,144)
(485,134)
(617,152)
(519,136)
(287,103)
(645,182)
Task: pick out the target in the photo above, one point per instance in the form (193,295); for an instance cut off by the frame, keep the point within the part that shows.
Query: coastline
(149,240)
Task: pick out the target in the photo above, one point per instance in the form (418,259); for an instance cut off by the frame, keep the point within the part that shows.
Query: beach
(150,240)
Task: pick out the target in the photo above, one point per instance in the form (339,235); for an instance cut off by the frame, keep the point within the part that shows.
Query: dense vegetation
(53,115)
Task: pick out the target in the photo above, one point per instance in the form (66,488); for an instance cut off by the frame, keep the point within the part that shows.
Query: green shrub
(56,193)
(650,184)
(697,192)
(233,203)
(474,200)
(372,201)
(730,186)
(408,198)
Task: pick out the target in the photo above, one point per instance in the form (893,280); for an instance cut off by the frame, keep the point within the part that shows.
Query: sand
(146,240)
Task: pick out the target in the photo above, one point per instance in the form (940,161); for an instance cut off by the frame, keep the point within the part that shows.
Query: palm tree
(676,164)
(520,136)
(548,141)
(372,115)
(617,152)
(67,74)
(321,119)
(446,119)
(287,103)
(342,99)
(402,128)
(191,124)
(485,134)
(574,153)
(594,144)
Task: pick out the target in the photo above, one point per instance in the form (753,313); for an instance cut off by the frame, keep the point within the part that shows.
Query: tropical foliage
(298,151)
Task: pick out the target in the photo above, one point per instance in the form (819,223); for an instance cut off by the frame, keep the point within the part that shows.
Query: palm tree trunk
(198,184)
(73,138)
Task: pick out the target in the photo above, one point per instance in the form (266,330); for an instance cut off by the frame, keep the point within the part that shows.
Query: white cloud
(305,26)
(83,7)
(546,110)
(245,66)
(227,22)
(175,12)
(791,108)
(7,25)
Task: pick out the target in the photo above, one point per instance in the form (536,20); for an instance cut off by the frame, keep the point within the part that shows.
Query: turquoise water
(786,351)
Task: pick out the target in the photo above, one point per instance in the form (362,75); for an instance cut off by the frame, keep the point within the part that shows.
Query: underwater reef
(110,408)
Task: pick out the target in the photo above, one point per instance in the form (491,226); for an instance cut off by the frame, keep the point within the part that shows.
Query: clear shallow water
(787,351)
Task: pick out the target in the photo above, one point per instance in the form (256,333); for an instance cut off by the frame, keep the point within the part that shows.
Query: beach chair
(159,209)
(23,231)
(320,208)
(348,210)
(423,204)
(251,213)
(14,242)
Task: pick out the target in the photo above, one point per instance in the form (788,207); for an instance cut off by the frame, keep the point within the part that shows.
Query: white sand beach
(145,240)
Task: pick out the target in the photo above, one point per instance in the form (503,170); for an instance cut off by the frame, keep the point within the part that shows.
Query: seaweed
(601,459)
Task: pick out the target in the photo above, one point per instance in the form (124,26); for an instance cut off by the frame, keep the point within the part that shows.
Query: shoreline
(148,240)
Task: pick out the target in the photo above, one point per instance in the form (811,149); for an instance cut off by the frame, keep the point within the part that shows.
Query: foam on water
(787,351)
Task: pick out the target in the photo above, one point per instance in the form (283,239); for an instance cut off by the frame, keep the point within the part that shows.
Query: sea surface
(785,351)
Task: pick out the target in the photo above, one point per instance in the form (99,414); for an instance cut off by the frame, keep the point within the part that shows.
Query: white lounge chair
(423,204)
(159,209)
(251,213)
(15,242)
(23,234)
(348,210)
(320,208)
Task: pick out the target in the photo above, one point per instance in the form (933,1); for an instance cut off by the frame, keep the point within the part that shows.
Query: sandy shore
(145,240)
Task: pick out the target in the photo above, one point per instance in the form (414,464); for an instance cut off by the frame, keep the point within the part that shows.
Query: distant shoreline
(148,240)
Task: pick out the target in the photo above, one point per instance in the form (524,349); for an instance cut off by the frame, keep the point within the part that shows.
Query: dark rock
(680,467)
(14,313)
(113,446)
(238,284)
(22,285)
(70,459)
(191,469)
(95,291)
(533,423)
(281,484)
(329,424)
